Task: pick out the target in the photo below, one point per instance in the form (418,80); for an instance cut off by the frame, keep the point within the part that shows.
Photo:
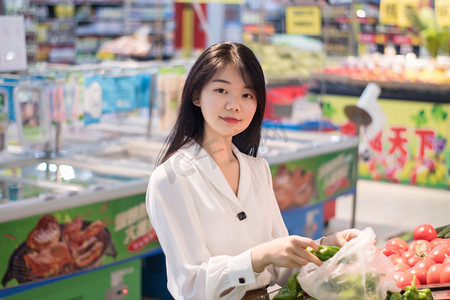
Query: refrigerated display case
(318,168)
(60,219)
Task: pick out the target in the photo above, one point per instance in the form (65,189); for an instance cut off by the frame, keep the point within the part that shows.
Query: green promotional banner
(75,239)
(314,179)
(92,285)
(412,145)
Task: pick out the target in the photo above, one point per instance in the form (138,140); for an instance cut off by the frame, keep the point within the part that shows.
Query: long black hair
(190,122)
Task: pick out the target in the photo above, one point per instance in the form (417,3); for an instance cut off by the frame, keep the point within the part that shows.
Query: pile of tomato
(427,258)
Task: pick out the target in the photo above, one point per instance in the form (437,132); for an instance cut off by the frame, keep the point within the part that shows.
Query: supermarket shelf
(107,3)
(102,20)
(413,91)
(58,44)
(56,2)
(93,20)
(107,34)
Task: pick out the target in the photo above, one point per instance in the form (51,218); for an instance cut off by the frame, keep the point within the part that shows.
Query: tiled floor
(390,209)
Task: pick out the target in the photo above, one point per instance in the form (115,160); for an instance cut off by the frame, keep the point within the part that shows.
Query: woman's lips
(231,120)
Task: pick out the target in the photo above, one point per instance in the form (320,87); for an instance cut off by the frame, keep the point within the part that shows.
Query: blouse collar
(212,172)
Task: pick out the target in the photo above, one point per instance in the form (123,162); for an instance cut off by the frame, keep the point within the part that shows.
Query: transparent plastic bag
(357,271)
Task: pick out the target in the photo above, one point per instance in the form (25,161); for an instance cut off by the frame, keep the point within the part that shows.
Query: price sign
(366,38)
(442,11)
(303,20)
(405,8)
(389,12)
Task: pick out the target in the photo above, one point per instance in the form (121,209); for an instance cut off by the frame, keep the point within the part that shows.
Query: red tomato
(413,260)
(421,274)
(445,274)
(434,273)
(420,247)
(397,243)
(424,232)
(394,257)
(404,279)
(397,275)
(388,251)
(397,258)
(426,263)
(401,267)
(439,253)
(409,253)
(439,241)
(446,261)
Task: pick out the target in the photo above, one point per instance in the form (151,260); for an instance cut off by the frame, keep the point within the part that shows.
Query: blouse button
(241,216)
(241,280)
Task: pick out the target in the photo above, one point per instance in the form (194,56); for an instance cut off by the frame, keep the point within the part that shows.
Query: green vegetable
(394,296)
(411,293)
(442,231)
(291,291)
(372,281)
(325,252)
(353,286)
(425,294)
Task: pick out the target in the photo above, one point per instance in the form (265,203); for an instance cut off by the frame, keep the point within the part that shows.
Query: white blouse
(195,214)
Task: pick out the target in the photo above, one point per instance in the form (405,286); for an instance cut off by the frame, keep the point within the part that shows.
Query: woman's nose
(232,104)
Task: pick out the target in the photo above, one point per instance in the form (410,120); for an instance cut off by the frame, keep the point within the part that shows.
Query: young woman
(210,199)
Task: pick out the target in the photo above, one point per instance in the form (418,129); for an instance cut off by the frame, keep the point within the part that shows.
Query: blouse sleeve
(194,273)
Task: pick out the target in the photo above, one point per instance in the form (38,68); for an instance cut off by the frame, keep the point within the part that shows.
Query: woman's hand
(341,237)
(288,252)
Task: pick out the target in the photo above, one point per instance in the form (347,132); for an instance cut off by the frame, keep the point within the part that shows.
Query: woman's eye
(222,91)
(248,96)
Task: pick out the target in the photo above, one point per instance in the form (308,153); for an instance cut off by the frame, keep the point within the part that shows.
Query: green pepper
(325,252)
(411,293)
(425,294)
(394,296)
(372,281)
(291,291)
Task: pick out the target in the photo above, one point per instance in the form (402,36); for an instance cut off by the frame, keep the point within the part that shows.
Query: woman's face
(227,104)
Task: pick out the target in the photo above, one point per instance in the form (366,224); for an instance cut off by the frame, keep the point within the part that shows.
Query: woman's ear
(196,101)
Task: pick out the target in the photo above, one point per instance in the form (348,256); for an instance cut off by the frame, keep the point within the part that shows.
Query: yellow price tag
(406,7)
(380,39)
(303,20)
(389,12)
(442,11)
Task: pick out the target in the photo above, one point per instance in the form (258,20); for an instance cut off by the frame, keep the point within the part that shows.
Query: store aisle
(392,209)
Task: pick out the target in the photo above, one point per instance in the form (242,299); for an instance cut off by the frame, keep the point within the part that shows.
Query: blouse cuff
(241,269)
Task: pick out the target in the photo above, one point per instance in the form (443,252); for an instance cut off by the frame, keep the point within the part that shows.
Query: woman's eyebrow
(227,82)
(220,80)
